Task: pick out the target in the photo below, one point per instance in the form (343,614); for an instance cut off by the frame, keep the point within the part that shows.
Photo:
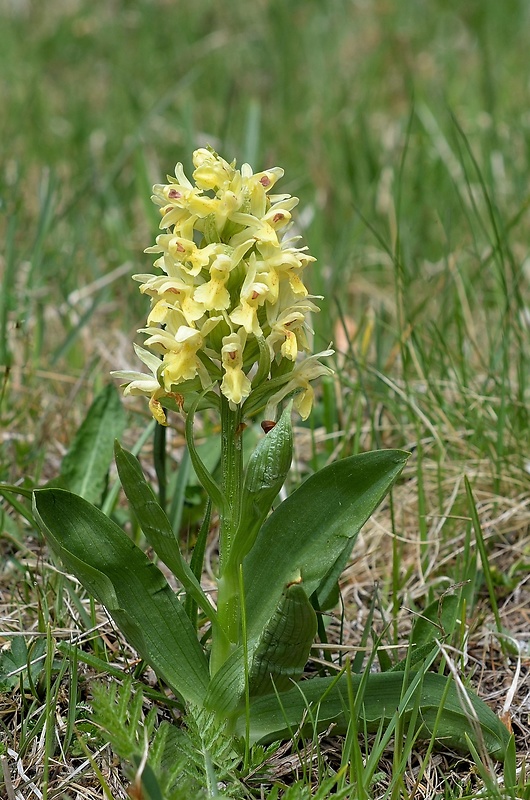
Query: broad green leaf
(265,474)
(156,526)
(275,660)
(328,591)
(85,466)
(306,535)
(121,577)
(275,717)
(227,686)
(283,650)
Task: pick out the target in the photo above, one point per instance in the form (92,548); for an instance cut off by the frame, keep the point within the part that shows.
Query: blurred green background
(404,128)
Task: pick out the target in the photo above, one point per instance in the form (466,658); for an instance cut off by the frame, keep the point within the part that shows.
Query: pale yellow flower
(299,382)
(192,259)
(283,263)
(288,322)
(265,228)
(287,331)
(179,198)
(139,383)
(257,186)
(213,295)
(180,363)
(180,346)
(253,294)
(170,293)
(222,209)
(211,171)
(235,385)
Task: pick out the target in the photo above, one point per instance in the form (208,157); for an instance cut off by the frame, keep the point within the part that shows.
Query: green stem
(232,485)
(232,477)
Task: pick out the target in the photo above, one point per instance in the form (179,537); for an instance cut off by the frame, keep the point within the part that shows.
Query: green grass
(404,129)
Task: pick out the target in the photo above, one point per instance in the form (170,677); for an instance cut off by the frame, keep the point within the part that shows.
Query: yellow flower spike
(235,385)
(225,258)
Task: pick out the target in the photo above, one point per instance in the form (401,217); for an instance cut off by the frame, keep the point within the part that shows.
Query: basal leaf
(132,588)
(227,686)
(276,659)
(306,535)
(274,717)
(283,650)
(156,526)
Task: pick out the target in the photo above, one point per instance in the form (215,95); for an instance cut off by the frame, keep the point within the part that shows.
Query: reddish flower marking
(265,180)
(268,425)
(255,295)
(173,194)
(180,248)
(277,217)
(232,354)
(178,398)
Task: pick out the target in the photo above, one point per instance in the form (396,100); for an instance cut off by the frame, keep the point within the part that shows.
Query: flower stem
(232,483)
(232,477)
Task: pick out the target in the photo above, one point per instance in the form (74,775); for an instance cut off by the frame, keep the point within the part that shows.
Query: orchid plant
(229,330)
